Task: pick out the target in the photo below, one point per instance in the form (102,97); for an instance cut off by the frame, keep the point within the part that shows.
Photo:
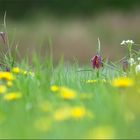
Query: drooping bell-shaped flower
(97,61)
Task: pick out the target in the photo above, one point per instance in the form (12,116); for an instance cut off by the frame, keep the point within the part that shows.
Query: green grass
(114,112)
(77,109)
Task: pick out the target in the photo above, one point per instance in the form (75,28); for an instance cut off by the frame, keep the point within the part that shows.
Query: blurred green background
(71,27)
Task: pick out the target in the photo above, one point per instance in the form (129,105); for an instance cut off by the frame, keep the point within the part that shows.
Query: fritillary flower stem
(98,51)
(98,74)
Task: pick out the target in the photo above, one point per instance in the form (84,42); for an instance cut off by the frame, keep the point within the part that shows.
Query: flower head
(130,42)
(67,112)
(102,132)
(62,114)
(54,88)
(9,84)
(12,96)
(97,61)
(78,112)
(138,58)
(16,70)
(2,89)
(67,93)
(137,69)
(131,61)
(127,42)
(123,42)
(6,75)
(122,82)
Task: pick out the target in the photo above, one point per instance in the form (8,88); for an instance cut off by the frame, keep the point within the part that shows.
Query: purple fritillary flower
(3,36)
(97,61)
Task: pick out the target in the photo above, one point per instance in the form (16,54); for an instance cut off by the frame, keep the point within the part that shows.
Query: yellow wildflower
(6,75)
(16,70)
(54,88)
(66,113)
(2,89)
(9,84)
(95,81)
(122,82)
(62,114)
(102,132)
(67,93)
(91,81)
(78,112)
(12,96)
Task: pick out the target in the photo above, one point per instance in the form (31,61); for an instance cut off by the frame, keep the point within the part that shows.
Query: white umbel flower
(126,42)
(131,61)
(138,58)
(123,42)
(137,69)
(130,42)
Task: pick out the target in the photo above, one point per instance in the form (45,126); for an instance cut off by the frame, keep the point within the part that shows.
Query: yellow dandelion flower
(43,124)
(67,93)
(54,88)
(6,75)
(102,132)
(122,82)
(9,84)
(12,96)
(66,113)
(91,81)
(95,81)
(78,112)
(16,70)
(2,89)
(62,114)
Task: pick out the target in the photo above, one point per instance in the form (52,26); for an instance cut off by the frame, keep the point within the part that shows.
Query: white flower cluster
(126,42)
(131,61)
(137,69)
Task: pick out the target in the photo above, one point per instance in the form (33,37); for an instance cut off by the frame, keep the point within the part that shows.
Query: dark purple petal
(97,62)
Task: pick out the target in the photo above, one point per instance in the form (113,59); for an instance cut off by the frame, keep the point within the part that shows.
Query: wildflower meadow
(69,100)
